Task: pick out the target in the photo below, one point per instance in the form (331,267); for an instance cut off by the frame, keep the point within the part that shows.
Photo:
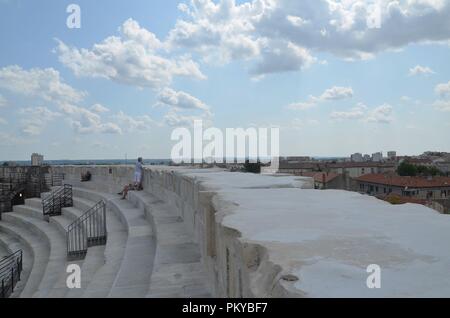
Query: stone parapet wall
(234,268)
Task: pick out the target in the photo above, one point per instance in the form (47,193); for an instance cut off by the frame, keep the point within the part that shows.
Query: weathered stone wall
(234,268)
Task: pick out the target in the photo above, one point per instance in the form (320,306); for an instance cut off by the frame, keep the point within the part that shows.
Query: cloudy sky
(336,76)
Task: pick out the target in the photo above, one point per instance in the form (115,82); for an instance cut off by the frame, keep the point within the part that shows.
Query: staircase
(134,260)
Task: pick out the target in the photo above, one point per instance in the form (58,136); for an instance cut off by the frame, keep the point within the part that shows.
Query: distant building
(326,180)
(443,166)
(392,155)
(366,158)
(350,169)
(357,157)
(37,159)
(296,159)
(416,187)
(377,157)
(356,169)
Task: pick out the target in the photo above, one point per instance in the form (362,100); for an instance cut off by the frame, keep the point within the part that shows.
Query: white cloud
(180,99)
(98,108)
(350,29)
(443,89)
(84,121)
(133,58)
(330,94)
(420,70)
(37,82)
(35,119)
(296,21)
(281,57)
(381,114)
(175,118)
(130,123)
(337,93)
(442,105)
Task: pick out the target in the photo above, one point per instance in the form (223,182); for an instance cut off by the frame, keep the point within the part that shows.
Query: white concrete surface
(194,233)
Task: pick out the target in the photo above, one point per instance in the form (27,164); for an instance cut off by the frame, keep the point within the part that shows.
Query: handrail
(86,231)
(10,270)
(53,203)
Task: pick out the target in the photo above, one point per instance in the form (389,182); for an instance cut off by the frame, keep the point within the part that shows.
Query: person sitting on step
(137,181)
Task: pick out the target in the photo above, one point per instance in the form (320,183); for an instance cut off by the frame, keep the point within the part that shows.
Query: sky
(336,77)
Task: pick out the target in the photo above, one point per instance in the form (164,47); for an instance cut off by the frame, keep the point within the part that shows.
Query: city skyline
(320,71)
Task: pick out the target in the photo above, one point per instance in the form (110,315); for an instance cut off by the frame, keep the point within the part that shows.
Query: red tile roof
(410,182)
(319,176)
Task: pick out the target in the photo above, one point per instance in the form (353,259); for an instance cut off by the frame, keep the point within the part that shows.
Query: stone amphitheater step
(25,216)
(137,265)
(95,257)
(61,222)
(102,263)
(12,244)
(37,260)
(35,203)
(178,271)
(133,277)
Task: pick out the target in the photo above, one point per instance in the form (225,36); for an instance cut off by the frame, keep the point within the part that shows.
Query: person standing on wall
(137,181)
(138,172)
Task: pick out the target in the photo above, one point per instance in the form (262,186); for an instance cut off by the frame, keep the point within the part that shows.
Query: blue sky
(136,70)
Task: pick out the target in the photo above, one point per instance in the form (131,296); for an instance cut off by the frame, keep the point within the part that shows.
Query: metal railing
(53,203)
(10,270)
(88,230)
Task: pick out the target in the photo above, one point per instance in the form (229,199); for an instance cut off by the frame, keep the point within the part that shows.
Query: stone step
(57,242)
(29,210)
(37,259)
(83,204)
(103,274)
(94,196)
(94,260)
(60,288)
(137,264)
(72,212)
(34,202)
(177,271)
(61,222)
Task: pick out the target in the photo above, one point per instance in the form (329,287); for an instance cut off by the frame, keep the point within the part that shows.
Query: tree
(406,169)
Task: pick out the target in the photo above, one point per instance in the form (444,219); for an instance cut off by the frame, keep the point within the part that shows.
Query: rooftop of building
(405,181)
(336,165)
(321,176)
